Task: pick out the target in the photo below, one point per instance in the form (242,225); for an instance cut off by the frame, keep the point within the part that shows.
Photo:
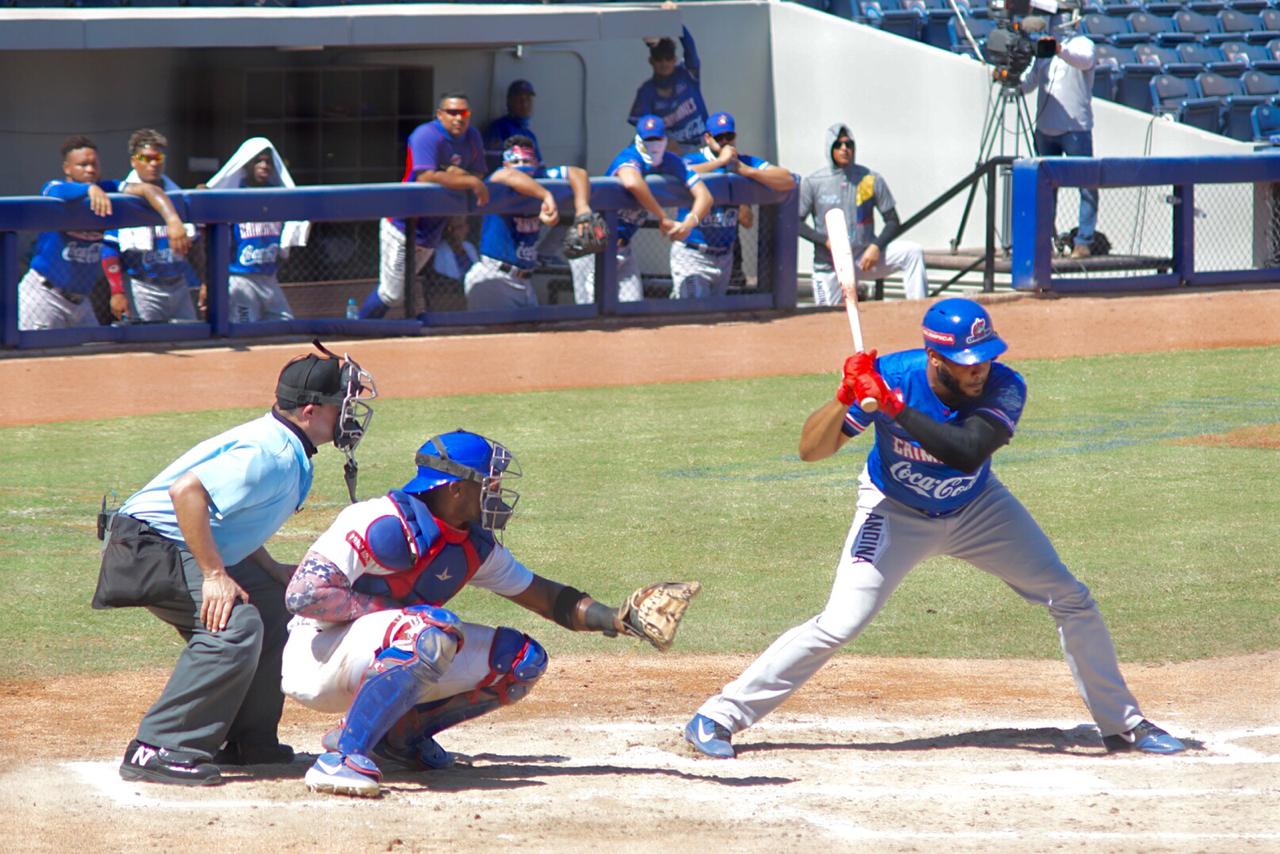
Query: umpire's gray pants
(995,533)
(226,685)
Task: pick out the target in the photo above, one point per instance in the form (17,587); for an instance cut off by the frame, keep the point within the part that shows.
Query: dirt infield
(873,754)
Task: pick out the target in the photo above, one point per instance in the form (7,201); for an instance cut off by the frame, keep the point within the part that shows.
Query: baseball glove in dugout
(587,236)
(654,612)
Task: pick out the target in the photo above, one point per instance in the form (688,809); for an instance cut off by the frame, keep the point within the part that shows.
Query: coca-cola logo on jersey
(928,486)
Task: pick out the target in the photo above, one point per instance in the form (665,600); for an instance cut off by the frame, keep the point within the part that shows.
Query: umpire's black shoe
(238,753)
(160,765)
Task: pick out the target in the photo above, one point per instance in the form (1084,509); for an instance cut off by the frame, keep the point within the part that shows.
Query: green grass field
(701,480)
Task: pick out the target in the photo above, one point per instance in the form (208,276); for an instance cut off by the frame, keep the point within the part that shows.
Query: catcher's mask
(337,381)
(461,455)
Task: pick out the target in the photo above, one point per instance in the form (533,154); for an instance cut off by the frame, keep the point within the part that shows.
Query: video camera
(1009,49)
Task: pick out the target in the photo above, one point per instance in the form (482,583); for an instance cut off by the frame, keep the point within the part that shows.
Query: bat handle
(869,404)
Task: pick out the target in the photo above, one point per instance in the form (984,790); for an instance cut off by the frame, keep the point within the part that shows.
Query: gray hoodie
(856,190)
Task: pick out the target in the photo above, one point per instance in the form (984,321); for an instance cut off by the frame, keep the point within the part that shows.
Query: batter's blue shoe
(1146,737)
(709,738)
(352,774)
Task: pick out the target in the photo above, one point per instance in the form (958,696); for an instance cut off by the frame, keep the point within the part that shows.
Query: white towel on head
(231,177)
(142,237)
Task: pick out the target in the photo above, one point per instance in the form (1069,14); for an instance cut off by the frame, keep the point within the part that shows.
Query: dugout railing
(1203,221)
(773,255)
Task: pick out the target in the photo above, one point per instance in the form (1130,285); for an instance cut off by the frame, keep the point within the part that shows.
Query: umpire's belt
(513,270)
(707,249)
(73,298)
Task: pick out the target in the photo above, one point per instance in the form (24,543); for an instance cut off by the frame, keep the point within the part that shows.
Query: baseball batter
(509,243)
(371,639)
(647,155)
(927,489)
(702,263)
(447,151)
(54,294)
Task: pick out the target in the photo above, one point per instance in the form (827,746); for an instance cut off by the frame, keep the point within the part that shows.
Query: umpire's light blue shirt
(257,476)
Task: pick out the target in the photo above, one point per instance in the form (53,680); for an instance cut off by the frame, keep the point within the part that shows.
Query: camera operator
(1063,76)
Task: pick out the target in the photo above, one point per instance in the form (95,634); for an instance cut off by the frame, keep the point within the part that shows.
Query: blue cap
(520,87)
(720,123)
(651,127)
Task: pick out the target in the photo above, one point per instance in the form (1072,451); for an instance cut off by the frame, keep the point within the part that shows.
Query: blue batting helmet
(960,330)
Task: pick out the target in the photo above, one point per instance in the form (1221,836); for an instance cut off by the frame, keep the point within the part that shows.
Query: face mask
(653,150)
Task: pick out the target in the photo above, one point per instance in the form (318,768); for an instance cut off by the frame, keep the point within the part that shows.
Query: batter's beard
(953,387)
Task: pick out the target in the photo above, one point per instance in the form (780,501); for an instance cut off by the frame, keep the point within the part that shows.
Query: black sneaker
(237,753)
(160,765)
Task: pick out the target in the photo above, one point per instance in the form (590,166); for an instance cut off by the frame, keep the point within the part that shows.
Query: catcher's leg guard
(419,648)
(516,663)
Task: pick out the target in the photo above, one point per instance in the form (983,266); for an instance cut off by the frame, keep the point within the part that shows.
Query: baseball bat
(842,258)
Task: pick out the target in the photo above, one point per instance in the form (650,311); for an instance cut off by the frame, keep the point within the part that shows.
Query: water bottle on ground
(353,311)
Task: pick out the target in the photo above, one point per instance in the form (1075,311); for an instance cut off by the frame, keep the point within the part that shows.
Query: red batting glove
(871,384)
(857,364)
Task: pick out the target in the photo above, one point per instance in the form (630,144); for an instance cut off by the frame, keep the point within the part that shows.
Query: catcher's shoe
(709,737)
(1145,737)
(352,774)
(161,765)
(429,755)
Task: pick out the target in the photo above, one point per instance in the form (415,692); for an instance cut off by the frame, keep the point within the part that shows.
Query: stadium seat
(1270,19)
(1104,28)
(1261,83)
(1252,7)
(1118,9)
(1167,60)
(1132,76)
(979,27)
(937,15)
(1157,29)
(1164,9)
(1236,105)
(1259,58)
(1266,124)
(902,20)
(1240,24)
(1211,58)
(1178,96)
(1202,26)
(1206,7)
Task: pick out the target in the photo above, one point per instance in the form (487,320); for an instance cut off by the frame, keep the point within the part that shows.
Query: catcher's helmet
(461,455)
(960,330)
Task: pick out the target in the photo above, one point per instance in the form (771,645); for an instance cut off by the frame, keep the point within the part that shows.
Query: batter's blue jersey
(682,110)
(907,473)
(71,260)
(151,265)
(514,239)
(630,219)
(432,149)
(257,248)
(719,227)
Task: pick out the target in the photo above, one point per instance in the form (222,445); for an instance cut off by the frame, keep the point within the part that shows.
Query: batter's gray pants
(226,685)
(584,277)
(257,297)
(696,274)
(160,301)
(900,256)
(995,533)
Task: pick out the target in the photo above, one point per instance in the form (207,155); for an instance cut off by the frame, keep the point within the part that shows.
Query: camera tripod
(997,132)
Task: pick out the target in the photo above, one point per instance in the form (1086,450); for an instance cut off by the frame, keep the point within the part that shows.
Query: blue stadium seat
(1236,105)
(979,27)
(1253,7)
(1258,57)
(1202,26)
(937,15)
(1241,24)
(1119,9)
(1167,60)
(1178,96)
(1104,28)
(1132,76)
(1270,19)
(1211,58)
(1206,7)
(1164,9)
(902,20)
(1158,29)
(1265,120)
(1261,83)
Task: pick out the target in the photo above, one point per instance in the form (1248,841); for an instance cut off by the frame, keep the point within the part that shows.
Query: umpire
(189,546)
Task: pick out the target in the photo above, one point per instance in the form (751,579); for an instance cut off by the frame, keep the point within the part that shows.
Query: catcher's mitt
(654,612)
(580,241)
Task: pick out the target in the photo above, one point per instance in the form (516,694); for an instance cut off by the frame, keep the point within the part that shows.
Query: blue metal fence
(216,209)
(1035,182)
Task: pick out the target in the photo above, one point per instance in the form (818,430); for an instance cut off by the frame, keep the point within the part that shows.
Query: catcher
(371,640)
